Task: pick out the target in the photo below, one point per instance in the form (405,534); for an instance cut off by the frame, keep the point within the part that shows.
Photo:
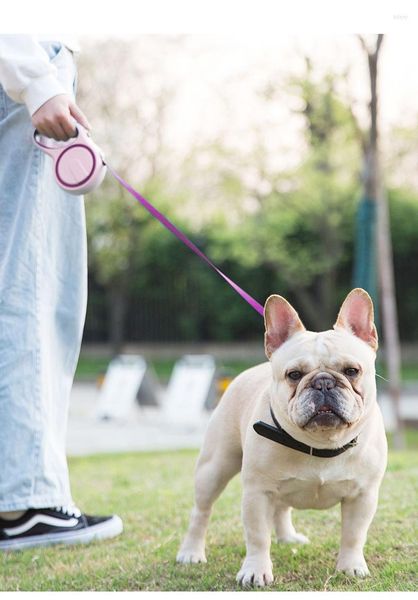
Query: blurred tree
(400,154)
(297,226)
(272,228)
(375,192)
(134,98)
(403,204)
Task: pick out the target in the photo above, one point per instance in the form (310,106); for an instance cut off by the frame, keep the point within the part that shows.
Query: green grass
(153,494)
(409,371)
(90,367)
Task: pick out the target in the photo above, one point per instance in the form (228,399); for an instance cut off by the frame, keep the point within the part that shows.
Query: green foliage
(190,302)
(119,232)
(403,207)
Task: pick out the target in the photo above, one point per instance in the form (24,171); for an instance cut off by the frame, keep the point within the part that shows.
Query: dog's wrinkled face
(324,380)
(321,379)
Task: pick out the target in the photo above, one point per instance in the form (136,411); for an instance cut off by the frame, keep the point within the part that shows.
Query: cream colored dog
(318,398)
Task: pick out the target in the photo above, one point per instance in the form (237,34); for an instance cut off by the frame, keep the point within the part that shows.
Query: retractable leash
(80,167)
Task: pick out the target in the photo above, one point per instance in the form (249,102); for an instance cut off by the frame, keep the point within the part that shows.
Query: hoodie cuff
(40,90)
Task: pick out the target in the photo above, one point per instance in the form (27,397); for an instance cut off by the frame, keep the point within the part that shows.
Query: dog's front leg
(257,515)
(357,514)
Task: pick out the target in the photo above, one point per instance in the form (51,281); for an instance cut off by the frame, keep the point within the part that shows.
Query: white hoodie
(26,73)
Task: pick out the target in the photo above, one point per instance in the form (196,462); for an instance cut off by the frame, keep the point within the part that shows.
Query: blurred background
(273,155)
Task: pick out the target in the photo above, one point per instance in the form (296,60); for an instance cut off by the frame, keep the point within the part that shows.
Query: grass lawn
(153,494)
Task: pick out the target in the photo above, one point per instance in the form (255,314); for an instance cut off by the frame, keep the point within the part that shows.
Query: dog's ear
(281,321)
(357,316)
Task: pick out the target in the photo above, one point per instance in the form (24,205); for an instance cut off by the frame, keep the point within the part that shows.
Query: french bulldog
(305,430)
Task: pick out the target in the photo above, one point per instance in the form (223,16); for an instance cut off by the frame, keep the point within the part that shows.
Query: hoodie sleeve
(26,73)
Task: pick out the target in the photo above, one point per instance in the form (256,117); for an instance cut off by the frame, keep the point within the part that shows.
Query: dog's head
(323,382)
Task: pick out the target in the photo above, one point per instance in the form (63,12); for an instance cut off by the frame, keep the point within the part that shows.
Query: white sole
(102,531)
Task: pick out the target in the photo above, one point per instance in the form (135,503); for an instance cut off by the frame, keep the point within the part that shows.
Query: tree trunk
(374,190)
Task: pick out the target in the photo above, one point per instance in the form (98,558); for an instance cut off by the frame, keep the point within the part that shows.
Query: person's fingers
(50,128)
(59,133)
(67,124)
(78,115)
(45,130)
(57,118)
(64,133)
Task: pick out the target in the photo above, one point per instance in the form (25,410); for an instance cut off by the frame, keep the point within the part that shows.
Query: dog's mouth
(325,416)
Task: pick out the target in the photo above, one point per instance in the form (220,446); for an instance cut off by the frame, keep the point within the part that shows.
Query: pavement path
(148,429)
(144,428)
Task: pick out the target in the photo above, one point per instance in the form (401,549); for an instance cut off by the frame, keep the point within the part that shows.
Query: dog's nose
(323,382)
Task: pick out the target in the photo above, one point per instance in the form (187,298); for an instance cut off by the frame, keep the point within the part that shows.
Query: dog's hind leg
(285,531)
(218,462)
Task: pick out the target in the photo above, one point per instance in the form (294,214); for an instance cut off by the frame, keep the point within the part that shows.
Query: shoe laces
(71,510)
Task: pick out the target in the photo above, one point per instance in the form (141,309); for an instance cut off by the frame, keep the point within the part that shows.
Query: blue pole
(365,271)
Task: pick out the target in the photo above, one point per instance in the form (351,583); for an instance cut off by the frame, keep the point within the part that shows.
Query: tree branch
(379,43)
(363,44)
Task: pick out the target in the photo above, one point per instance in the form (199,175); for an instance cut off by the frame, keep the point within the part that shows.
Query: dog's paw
(191,556)
(254,573)
(354,567)
(293,538)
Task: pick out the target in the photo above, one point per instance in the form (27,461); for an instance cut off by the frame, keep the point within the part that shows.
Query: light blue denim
(43,294)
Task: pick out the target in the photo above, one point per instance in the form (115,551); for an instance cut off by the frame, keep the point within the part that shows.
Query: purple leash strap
(179,235)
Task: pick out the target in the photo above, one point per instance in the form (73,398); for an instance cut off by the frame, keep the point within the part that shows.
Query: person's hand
(55,118)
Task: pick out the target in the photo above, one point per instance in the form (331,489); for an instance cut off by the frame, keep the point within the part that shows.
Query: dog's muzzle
(325,401)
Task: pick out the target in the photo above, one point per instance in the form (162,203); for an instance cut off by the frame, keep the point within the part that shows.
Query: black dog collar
(279,435)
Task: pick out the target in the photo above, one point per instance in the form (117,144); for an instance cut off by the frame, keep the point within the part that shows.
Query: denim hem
(35,502)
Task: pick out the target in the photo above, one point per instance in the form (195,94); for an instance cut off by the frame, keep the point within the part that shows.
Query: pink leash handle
(179,235)
(78,162)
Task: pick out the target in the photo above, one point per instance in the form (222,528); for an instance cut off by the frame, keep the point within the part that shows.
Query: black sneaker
(60,525)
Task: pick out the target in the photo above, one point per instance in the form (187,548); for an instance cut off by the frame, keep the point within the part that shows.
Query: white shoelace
(70,510)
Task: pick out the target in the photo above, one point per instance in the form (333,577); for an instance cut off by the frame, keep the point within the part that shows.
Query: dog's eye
(351,371)
(295,375)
